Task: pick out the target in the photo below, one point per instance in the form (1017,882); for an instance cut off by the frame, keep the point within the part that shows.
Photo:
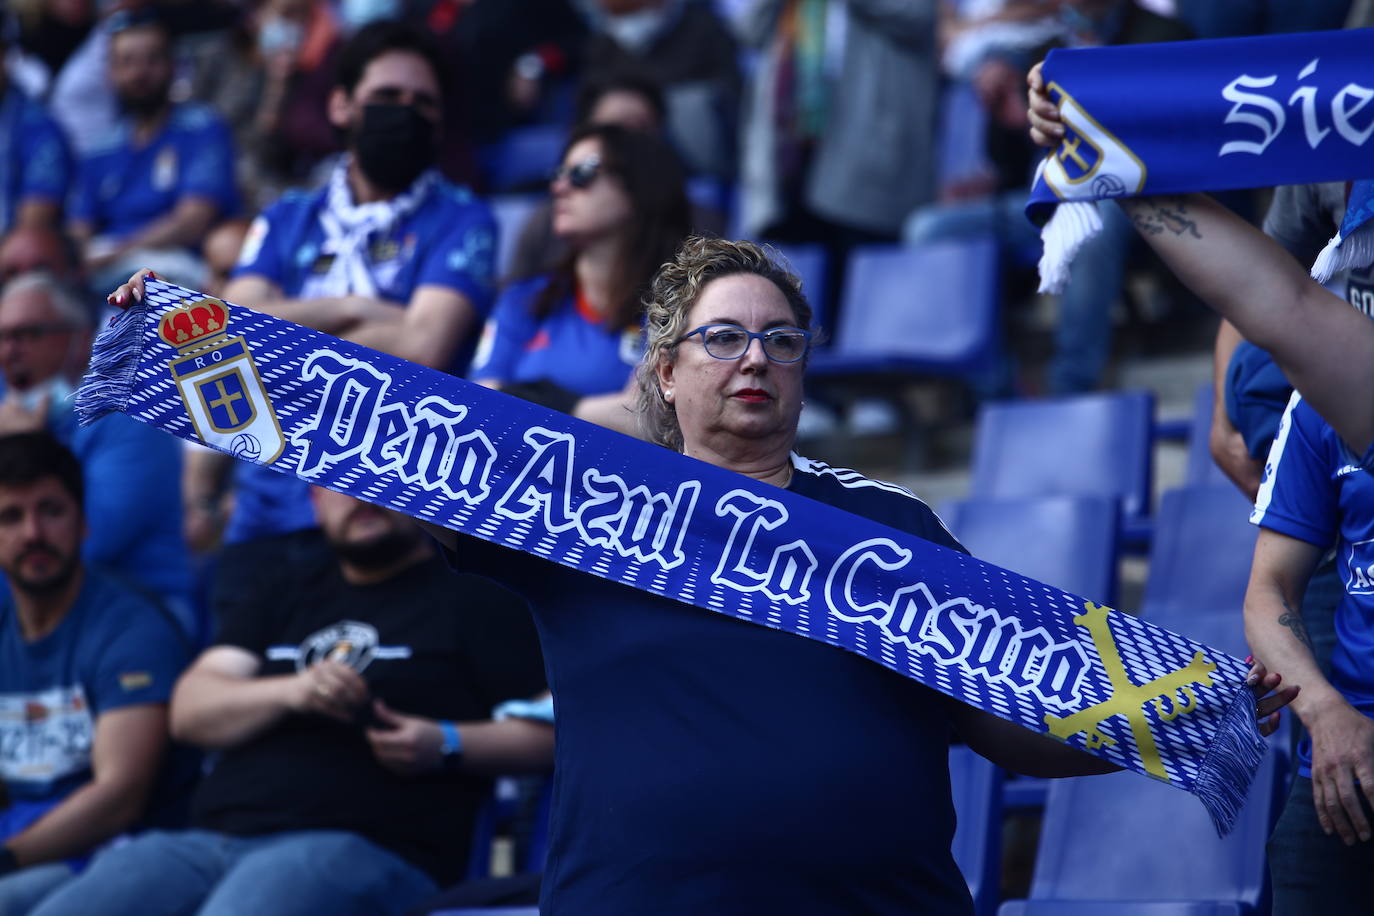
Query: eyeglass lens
(783,345)
(579,174)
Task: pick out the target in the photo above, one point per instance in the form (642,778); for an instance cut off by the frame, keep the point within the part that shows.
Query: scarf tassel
(109,382)
(1072,225)
(1356,250)
(1237,749)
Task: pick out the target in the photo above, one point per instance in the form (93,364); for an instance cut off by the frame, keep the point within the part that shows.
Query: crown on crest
(193,323)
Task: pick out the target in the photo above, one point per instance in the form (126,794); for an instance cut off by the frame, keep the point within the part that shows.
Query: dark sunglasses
(579,174)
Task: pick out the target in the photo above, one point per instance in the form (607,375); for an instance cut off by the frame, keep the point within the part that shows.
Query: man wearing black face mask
(388,253)
(163,177)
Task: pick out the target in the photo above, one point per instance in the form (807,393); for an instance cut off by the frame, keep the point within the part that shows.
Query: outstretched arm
(1324,347)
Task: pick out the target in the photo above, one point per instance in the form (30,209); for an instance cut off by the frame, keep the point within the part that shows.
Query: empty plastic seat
(1126,844)
(928,309)
(1097,444)
(523,159)
(511,212)
(809,263)
(976,784)
(1200,558)
(1201,469)
(1066,541)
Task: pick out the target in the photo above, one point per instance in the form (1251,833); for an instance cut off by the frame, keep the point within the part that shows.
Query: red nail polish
(1249,659)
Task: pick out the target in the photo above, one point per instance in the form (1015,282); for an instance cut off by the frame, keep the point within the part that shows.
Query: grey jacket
(876,161)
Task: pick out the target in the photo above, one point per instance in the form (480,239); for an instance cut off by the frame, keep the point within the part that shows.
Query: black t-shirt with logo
(428,642)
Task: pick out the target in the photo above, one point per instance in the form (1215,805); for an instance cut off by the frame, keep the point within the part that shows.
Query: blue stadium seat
(1096,444)
(810,264)
(1200,558)
(929,309)
(511,212)
(1201,470)
(976,785)
(1066,541)
(523,159)
(1126,844)
(962,149)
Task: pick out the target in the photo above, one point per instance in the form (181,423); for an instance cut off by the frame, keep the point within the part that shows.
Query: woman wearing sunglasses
(570,338)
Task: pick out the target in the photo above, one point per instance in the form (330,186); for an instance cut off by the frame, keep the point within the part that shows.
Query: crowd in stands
(222,691)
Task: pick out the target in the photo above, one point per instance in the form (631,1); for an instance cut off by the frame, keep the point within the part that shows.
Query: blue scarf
(1207,116)
(482,463)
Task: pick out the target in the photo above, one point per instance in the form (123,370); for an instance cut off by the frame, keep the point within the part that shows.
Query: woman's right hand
(1046,127)
(132,291)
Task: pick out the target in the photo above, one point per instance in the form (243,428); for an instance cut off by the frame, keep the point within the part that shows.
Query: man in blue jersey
(163,178)
(86,670)
(35,161)
(130,474)
(388,253)
(1315,496)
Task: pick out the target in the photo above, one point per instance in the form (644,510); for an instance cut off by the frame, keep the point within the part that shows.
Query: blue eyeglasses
(728,341)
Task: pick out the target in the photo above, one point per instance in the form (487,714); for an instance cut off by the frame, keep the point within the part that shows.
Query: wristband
(451,751)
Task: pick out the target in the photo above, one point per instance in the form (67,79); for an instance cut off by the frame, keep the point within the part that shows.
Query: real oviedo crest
(219,383)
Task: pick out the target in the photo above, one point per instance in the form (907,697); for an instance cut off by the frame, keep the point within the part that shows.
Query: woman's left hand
(1268,699)
(130,292)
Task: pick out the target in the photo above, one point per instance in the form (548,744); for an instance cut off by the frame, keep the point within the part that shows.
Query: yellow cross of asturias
(226,400)
(1129,699)
(1069,150)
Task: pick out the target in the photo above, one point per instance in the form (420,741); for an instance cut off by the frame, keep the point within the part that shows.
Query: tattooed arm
(1342,736)
(1324,347)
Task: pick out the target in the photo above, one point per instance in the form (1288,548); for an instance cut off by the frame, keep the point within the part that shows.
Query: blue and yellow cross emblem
(1130,699)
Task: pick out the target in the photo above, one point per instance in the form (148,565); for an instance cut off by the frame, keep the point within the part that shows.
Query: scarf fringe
(1224,779)
(115,355)
(1343,253)
(1071,226)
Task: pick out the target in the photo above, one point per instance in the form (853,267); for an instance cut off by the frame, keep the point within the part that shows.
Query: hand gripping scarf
(485,464)
(1208,116)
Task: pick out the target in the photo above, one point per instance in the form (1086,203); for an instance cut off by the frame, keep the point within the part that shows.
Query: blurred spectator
(576,331)
(271,81)
(348,693)
(974,30)
(28,248)
(52,30)
(1083,333)
(35,162)
(86,670)
(134,515)
(838,139)
(511,52)
(1227,18)
(161,180)
(685,48)
(633,102)
(221,253)
(388,254)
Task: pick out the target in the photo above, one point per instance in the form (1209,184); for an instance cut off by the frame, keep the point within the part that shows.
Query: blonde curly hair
(674,290)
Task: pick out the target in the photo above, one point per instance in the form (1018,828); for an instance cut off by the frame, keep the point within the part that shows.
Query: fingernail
(137,295)
(1252,680)
(1249,659)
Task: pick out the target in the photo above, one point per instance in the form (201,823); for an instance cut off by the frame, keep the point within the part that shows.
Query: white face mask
(59,392)
(636,31)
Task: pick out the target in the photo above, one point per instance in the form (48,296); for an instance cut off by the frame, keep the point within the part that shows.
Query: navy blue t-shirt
(709,765)
(113,649)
